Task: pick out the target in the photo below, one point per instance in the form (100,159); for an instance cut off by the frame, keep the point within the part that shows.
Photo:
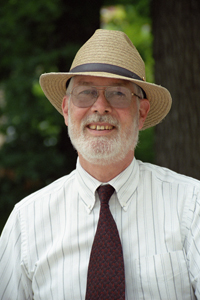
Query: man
(50,247)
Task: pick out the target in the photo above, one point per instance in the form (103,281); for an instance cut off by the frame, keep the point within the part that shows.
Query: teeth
(100,127)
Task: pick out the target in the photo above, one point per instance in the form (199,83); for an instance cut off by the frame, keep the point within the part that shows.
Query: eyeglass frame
(100,89)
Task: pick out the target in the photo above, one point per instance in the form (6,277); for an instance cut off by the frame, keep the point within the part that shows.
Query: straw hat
(111,54)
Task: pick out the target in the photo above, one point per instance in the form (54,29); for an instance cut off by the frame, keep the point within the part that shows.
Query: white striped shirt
(46,243)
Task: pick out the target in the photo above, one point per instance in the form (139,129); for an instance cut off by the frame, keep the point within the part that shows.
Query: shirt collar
(87,186)
(125,185)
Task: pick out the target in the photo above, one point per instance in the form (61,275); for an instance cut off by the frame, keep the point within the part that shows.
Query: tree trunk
(177,67)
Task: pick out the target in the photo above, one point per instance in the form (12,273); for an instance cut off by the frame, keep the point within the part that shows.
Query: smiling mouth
(100,127)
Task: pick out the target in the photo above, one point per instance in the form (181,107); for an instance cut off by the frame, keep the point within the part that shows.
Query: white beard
(103,150)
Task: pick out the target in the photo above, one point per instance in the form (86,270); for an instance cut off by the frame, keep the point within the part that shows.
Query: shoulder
(166,175)
(50,191)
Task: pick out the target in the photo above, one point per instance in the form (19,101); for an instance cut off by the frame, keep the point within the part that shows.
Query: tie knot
(105,192)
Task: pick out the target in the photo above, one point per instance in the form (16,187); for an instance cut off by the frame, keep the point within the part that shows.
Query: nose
(101,105)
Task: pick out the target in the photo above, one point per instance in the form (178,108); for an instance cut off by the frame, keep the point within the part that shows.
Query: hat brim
(54,88)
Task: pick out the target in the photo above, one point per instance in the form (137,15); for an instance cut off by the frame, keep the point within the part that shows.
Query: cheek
(77,115)
(129,115)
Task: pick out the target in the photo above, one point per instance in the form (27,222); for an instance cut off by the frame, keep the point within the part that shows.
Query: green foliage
(145,147)
(141,6)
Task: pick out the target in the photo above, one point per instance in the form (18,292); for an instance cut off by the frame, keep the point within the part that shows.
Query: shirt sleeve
(14,282)
(192,243)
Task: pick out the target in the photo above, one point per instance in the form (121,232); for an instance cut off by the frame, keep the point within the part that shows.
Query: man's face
(101,133)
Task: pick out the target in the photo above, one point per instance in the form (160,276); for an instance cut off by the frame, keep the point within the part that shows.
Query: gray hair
(138,90)
(69,87)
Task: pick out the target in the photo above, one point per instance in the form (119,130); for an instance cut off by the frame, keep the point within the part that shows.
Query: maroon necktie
(106,280)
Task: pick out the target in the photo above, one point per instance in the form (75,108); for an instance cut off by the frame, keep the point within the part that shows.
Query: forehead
(102,81)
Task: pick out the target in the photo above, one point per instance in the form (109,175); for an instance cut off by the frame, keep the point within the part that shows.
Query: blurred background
(43,35)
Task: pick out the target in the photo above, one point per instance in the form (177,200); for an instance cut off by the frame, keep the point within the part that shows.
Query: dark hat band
(99,67)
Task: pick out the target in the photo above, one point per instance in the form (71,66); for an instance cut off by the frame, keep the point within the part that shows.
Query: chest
(151,236)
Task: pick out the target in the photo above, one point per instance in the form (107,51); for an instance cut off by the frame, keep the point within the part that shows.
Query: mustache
(100,119)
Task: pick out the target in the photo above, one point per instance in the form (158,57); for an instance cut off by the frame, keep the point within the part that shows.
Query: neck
(105,173)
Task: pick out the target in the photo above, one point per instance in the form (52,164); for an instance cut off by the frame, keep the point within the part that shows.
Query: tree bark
(177,67)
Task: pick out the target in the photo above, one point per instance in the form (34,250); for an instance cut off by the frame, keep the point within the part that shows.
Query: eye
(118,93)
(84,92)
(88,92)
(115,93)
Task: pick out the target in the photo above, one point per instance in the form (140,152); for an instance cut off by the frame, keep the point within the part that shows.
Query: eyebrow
(85,82)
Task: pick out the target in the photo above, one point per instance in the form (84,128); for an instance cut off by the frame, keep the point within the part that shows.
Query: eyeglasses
(118,96)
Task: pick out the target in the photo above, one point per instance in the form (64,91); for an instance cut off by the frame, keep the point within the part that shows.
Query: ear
(65,108)
(143,111)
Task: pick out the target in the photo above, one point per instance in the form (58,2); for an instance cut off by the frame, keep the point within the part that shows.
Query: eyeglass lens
(117,96)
